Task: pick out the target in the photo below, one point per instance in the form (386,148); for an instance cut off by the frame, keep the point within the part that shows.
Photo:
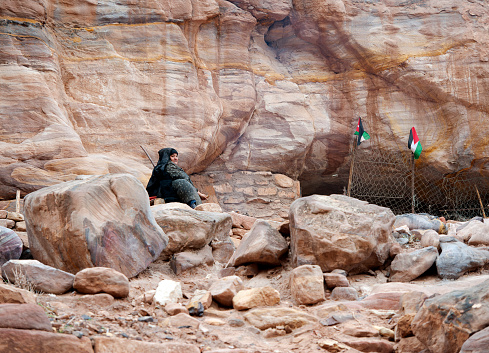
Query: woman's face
(174,158)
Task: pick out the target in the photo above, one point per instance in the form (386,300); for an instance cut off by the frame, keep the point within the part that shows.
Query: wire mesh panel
(385,178)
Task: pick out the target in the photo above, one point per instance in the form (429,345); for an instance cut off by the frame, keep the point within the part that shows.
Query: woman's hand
(202,196)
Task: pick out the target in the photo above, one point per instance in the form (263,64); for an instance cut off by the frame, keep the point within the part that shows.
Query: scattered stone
(242,221)
(403,327)
(145,319)
(477,343)
(332,345)
(189,229)
(472,229)
(273,332)
(307,284)
(262,245)
(10,245)
(264,318)
(12,295)
(371,345)
(102,280)
(249,271)
(334,280)
(181,321)
(446,321)
(7,223)
(101,221)
(339,232)
(24,316)
(225,272)
(255,297)
(200,298)
(223,250)
(236,322)
(41,277)
(344,293)
(20,226)
(15,216)
(420,221)
(214,321)
(120,345)
(410,345)
(175,308)
(189,259)
(103,300)
(167,291)
(29,341)
(386,333)
(456,258)
(359,329)
(407,266)
(223,290)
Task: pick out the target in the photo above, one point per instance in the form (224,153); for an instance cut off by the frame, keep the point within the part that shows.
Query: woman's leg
(186,192)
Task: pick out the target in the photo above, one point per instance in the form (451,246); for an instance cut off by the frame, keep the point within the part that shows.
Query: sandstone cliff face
(244,85)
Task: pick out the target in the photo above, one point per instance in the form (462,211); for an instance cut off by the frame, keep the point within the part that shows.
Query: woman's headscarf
(164,157)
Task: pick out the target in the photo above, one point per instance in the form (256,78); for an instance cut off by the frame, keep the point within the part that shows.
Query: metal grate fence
(384,178)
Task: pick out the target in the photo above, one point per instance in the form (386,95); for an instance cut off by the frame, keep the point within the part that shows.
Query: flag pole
(412,183)
(351,165)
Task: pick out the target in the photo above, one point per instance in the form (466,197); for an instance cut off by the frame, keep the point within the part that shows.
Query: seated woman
(169,182)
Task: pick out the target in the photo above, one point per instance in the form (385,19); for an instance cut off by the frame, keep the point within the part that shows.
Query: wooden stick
(148,156)
(351,167)
(480,201)
(17,202)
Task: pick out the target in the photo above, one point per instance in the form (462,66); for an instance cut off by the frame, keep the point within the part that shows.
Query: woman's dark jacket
(159,184)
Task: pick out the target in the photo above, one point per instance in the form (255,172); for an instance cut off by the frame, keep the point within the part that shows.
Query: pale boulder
(307,284)
(43,278)
(188,229)
(410,265)
(333,280)
(102,221)
(430,238)
(255,297)
(167,291)
(262,245)
(477,343)
(102,280)
(339,232)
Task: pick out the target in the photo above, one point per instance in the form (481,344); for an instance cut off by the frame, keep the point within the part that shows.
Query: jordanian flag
(362,134)
(414,144)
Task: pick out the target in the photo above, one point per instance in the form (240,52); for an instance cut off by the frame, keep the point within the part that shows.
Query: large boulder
(446,321)
(263,244)
(10,245)
(307,284)
(339,232)
(41,277)
(102,221)
(24,316)
(456,258)
(102,280)
(407,266)
(189,229)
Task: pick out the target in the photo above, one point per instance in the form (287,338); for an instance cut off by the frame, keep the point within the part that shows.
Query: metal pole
(412,184)
(148,156)
(351,167)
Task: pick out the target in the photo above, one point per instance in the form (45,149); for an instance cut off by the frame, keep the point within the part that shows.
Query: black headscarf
(159,184)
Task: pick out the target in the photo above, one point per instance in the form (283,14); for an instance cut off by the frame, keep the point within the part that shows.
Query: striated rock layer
(240,85)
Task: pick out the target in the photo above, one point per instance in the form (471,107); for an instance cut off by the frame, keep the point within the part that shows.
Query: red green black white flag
(414,144)
(362,134)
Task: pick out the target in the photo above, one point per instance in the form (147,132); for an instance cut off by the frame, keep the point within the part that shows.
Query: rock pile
(229,280)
